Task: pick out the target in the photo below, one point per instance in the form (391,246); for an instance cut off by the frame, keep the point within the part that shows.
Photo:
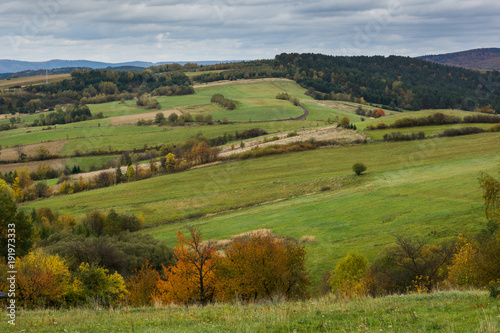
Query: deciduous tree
(191,280)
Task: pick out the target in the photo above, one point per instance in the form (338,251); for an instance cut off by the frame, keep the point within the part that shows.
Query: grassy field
(40,79)
(86,162)
(452,311)
(429,187)
(320,113)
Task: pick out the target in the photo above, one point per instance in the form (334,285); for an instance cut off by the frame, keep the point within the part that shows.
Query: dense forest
(393,82)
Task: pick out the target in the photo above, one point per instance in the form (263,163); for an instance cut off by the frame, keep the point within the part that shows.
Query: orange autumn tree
(191,280)
(261,266)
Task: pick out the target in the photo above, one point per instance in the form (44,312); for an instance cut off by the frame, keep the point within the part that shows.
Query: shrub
(494,128)
(381,126)
(461,131)
(100,287)
(348,276)
(482,118)
(358,168)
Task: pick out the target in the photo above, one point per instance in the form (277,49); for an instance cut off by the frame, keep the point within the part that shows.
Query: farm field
(24,81)
(470,311)
(283,193)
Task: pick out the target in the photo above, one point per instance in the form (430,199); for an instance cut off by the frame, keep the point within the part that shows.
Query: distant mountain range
(488,59)
(15,66)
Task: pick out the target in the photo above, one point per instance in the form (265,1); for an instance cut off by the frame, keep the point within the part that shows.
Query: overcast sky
(173,30)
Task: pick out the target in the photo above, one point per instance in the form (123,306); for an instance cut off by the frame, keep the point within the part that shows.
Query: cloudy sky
(174,30)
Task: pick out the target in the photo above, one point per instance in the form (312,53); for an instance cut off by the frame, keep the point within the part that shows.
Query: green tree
(359,168)
(170,162)
(348,275)
(491,194)
(173,117)
(345,121)
(16,224)
(130,173)
(159,118)
(118,175)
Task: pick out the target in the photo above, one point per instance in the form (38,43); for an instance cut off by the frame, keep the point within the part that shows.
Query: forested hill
(394,81)
(488,58)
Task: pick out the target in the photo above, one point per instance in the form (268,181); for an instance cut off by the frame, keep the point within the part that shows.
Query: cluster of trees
(174,90)
(148,103)
(73,113)
(226,103)
(60,261)
(461,131)
(101,260)
(376,113)
(250,267)
(288,97)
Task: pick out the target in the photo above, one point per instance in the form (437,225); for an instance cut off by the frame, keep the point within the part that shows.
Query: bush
(461,131)
(226,103)
(482,118)
(359,168)
(348,276)
(494,128)
(398,136)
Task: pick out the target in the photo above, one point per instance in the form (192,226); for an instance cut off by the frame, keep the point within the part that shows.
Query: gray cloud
(158,30)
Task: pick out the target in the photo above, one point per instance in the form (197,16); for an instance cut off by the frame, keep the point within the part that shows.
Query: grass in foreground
(471,311)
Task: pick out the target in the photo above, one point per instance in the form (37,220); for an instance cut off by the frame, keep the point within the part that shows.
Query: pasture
(429,187)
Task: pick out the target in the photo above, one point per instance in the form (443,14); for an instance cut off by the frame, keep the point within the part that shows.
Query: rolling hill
(486,59)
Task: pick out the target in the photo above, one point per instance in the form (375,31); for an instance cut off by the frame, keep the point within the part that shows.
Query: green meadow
(428,187)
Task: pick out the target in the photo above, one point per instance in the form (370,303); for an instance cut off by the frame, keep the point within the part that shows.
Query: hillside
(486,59)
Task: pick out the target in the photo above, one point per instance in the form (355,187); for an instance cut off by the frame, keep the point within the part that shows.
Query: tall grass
(455,311)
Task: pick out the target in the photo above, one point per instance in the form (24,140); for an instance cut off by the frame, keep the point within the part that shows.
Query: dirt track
(324,133)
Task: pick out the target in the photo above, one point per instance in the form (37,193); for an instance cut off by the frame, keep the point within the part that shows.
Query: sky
(173,30)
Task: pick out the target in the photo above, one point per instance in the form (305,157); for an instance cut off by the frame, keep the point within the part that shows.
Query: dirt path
(324,133)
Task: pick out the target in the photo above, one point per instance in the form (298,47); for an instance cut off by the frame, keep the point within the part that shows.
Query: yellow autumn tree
(21,183)
(44,280)
(462,271)
(348,277)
